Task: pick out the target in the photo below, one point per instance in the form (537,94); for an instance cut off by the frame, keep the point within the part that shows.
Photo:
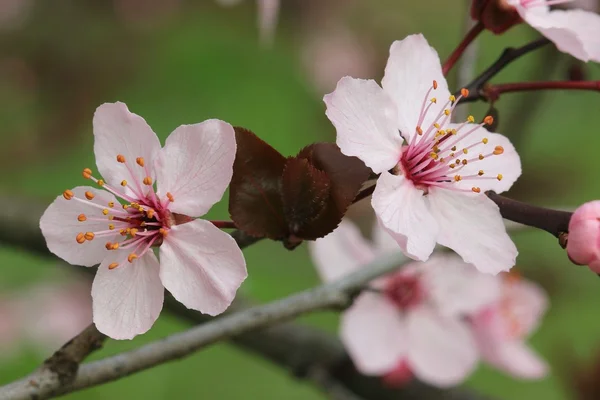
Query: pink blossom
(411,322)
(9,328)
(574,31)
(199,264)
(431,188)
(502,328)
(583,245)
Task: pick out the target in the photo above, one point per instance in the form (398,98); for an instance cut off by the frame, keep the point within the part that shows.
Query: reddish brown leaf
(255,201)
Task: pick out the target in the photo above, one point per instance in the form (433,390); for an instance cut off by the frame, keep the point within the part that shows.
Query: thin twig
(470,36)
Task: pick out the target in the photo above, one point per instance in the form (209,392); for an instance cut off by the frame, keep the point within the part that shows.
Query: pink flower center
(405,291)
(435,154)
(144,220)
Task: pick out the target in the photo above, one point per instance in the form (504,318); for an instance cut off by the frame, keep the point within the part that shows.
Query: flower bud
(583,245)
(496,15)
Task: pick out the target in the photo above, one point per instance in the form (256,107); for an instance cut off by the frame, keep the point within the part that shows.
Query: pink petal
(365,120)
(383,241)
(508,164)
(583,245)
(576,32)
(268,12)
(374,334)
(120,132)
(402,210)
(472,226)
(445,275)
(513,357)
(442,350)
(201,266)
(196,165)
(127,300)
(411,69)
(60,227)
(528,302)
(341,252)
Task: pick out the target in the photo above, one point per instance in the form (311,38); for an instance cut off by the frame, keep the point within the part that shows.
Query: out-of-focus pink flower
(268,13)
(199,264)
(431,188)
(583,245)
(573,31)
(412,321)
(9,328)
(502,328)
(13,13)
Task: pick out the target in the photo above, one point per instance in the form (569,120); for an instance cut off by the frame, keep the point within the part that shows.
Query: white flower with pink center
(501,328)
(410,322)
(199,264)
(574,31)
(433,172)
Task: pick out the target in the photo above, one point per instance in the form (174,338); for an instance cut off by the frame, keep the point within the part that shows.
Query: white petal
(127,300)
(472,226)
(576,32)
(508,164)
(120,132)
(365,120)
(60,227)
(374,333)
(341,252)
(528,302)
(201,266)
(457,288)
(402,210)
(442,350)
(196,165)
(411,69)
(383,242)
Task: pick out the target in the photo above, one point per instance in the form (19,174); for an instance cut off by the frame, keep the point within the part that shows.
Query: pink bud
(583,246)
(496,15)
(399,376)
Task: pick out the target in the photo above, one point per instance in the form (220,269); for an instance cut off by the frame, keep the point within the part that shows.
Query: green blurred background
(176,62)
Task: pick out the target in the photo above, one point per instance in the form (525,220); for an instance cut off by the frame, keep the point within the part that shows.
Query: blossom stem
(508,55)
(462,46)
(493,92)
(364,194)
(224,224)
(554,222)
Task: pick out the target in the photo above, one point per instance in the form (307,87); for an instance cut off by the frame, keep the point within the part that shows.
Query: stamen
(80,238)
(498,150)
(113,266)
(89,195)
(87,173)
(111,204)
(105,211)
(131,257)
(108,246)
(480,173)
(476,189)
(140,161)
(489,120)
(170,197)
(100,182)
(81,218)
(164,232)
(111,226)
(68,195)
(89,236)
(464,92)
(121,158)
(499,177)
(147,181)
(484,140)
(435,84)
(123,183)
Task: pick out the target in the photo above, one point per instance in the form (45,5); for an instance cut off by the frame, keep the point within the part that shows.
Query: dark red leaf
(346,175)
(255,201)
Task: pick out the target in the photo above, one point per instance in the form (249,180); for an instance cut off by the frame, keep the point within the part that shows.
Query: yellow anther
(498,150)
(453,148)
(435,148)
(111,204)
(100,182)
(476,189)
(442,160)
(434,84)
(87,173)
(470,119)
(150,214)
(499,177)
(133,232)
(111,226)
(457,161)
(125,206)
(454,131)
(113,265)
(140,161)
(465,150)
(452,98)
(111,217)
(89,195)
(484,140)
(89,236)
(147,181)
(131,257)
(163,231)
(433,100)
(108,246)
(464,162)
(451,155)
(446,112)
(81,217)
(480,172)
(464,92)
(436,125)
(433,155)
(105,211)
(68,195)
(419,130)
(452,165)
(143,223)
(80,238)
(488,120)
(121,158)
(457,178)
(123,183)
(481,157)
(170,197)
(123,232)
(115,246)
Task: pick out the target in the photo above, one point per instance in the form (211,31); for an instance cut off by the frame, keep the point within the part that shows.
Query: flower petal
(508,164)
(120,132)
(60,226)
(513,357)
(402,210)
(201,266)
(127,300)
(383,241)
(576,32)
(196,165)
(365,120)
(374,334)
(341,252)
(472,226)
(442,350)
(527,302)
(410,71)
(445,275)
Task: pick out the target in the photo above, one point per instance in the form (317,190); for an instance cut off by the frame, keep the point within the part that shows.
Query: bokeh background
(176,62)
